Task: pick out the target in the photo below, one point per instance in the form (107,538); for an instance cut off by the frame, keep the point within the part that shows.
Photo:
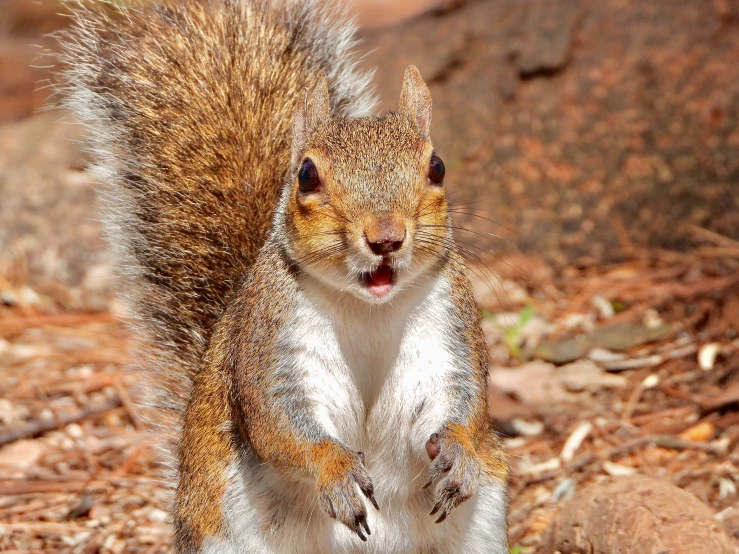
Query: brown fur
(206,451)
(478,434)
(222,399)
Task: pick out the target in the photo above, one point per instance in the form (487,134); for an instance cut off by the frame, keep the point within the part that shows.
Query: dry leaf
(703,431)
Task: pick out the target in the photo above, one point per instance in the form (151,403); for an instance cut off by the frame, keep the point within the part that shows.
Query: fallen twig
(47,486)
(15,324)
(41,426)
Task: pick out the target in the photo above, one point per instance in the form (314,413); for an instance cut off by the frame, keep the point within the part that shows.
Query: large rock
(635,514)
(49,217)
(574,121)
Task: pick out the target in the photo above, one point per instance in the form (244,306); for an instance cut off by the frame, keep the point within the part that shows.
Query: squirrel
(306,325)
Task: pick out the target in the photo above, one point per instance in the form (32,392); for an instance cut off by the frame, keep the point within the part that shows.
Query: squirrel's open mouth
(380,281)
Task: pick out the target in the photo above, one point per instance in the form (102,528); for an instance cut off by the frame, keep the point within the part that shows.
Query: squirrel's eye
(308,180)
(436,170)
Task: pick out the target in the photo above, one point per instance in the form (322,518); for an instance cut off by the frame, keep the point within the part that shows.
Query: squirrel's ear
(313,111)
(415,100)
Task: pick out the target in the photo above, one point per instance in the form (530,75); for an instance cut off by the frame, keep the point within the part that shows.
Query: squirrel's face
(367,211)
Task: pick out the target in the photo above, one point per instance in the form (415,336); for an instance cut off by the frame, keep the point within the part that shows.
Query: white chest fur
(375,374)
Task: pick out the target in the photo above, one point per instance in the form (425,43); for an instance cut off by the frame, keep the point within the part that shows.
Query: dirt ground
(592,152)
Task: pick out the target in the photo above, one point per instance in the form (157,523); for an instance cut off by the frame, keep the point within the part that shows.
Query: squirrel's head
(366,209)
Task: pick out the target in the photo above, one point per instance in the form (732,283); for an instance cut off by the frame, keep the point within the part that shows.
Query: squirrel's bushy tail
(189,113)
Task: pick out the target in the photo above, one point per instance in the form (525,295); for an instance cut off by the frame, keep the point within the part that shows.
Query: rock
(556,118)
(616,337)
(635,514)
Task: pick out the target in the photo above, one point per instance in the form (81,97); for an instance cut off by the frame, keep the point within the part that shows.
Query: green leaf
(525,315)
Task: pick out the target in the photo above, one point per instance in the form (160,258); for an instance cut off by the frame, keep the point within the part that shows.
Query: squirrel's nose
(384,247)
(385,236)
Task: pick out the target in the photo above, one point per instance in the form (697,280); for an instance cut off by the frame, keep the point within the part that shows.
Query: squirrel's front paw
(454,468)
(337,491)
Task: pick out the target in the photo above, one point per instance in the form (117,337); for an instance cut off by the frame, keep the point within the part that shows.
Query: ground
(597,139)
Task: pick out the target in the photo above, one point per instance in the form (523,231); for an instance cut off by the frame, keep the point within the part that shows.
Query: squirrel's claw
(362,479)
(456,472)
(369,491)
(366,526)
(435,509)
(361,536)
(340,500)
(360,525)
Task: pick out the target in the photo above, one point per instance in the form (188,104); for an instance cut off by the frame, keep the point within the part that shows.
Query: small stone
(75,431)
(650,381)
